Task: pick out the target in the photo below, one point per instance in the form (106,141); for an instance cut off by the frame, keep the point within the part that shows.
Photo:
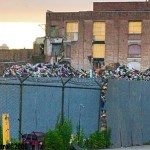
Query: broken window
(98,63)
(41,49)
(99,31)
(72,31)
(135,27)
(98,50)
(56,49)
(53,32)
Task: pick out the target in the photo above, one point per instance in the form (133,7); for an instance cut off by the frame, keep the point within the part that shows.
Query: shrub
(59,138)
(146,143)
(65,130)
(99,139)
(1,136)
(15,144)
(79,139)
(54,140)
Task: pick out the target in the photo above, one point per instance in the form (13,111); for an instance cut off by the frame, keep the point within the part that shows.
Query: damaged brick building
(113,32)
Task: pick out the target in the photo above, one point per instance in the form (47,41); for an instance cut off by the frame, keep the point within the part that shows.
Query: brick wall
(145,58)
(121,6)
(117,36)
(10,57)
(15,55)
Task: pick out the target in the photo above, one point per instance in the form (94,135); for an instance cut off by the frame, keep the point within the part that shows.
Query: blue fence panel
(113,113)
(128,112)
(145,111)
(41,107)
(42,103)
(82,105)
(135,102)
(9,103)
(117,112)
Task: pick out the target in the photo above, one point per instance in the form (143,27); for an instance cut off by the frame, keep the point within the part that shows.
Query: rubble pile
(48,70)
(40,70)
(123,72)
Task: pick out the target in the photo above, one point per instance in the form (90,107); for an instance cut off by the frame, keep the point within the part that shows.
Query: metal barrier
(35,103)
(128,112)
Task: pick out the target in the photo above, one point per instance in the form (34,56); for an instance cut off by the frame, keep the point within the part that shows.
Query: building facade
(113,32)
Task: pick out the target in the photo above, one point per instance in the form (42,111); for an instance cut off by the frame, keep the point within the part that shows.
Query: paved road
(145,147)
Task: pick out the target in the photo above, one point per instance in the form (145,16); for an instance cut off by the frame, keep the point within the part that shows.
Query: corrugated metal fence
(128,112)
(35,104)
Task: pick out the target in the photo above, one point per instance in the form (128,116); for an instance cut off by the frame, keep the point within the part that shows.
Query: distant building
(38,50)
(38,46)
(4,46)
(113,32)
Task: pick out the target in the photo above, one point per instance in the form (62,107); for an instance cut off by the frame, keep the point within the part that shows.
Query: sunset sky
(21,21)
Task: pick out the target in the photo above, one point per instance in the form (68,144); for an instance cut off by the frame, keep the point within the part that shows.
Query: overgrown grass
(59,138)
(96,140)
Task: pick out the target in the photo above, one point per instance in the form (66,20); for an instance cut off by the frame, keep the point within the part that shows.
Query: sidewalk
(144,147)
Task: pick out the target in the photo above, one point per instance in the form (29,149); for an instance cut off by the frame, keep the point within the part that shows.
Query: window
(68,51)
(99,31)
(41,49)
(134,50)
(98,44)
(98,63)
(135,27)
(98,50)
(72,31)
(56,49)
(53,31)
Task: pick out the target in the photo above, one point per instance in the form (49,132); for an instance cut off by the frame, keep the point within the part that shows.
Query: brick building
(113,32)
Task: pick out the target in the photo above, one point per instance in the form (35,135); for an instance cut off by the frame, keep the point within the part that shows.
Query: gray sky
(34,10)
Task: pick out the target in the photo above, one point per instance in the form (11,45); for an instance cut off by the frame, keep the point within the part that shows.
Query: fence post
(62,105)
(79,123)
(62,98)
(20,103)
